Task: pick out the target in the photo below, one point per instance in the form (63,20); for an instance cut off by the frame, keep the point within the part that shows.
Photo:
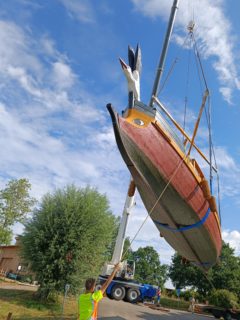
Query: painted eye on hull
(139,122)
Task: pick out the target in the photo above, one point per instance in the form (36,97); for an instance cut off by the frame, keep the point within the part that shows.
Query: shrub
(187,295)
(224,298)
(200,297)
(174,303)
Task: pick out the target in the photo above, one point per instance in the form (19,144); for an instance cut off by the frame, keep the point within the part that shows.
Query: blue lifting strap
(185,228)
(203,263)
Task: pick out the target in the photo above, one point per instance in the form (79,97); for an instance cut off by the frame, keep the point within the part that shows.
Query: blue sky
(59,68)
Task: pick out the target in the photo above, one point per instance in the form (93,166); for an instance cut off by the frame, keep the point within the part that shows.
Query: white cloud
(226,93)
(45,127)
(80,10)
(16,48)
(229,172)
(153,8)
(106,137)
(225,160)
(48,46)
(53,134)
(26,81)
(213,32)
(233,239)
(63,76)
(237,83)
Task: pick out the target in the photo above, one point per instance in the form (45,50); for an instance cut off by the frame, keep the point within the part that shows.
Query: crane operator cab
(126,270)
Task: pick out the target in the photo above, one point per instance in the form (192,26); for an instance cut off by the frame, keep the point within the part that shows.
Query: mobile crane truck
(123,286)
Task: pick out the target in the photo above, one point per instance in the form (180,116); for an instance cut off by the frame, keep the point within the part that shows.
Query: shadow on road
(143,315)
(150,316)
(184,316)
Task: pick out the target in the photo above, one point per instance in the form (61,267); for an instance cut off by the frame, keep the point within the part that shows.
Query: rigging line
(171,68)
(158,199)
(212,146)
(214,158)
(187,88)
(168,76)
(184,117)
(210,138)
(210,281)
(198,71)
(218,185)
(190,11)
(200,62)
(208,119)
(219,197)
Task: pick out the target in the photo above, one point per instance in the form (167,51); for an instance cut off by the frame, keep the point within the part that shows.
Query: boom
(129,203)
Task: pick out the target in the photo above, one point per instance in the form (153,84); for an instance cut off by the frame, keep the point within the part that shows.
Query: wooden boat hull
(170,192)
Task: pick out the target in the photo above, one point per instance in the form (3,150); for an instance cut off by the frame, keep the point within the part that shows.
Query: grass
(174,303)
(24,306)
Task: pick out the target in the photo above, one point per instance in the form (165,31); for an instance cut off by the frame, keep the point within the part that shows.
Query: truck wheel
(118,292)
(109,296)
(132,295)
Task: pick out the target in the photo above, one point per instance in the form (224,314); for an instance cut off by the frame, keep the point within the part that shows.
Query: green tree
(127,250)
(148,266)
(67,238)
(15,204)
(111,245)
(224,275)
(183,274)
(224,298)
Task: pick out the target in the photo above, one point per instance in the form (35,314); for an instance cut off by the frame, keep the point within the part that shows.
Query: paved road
(119,310)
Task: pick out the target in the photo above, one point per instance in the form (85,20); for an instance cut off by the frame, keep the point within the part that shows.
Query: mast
(164,51)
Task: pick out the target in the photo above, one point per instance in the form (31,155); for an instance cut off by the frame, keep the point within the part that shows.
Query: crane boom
(118,248)
(129,203)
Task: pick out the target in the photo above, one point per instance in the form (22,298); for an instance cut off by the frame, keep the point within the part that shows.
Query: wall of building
(11,261)
(9,258)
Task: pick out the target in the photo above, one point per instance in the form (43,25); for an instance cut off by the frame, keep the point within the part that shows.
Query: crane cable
(209,280)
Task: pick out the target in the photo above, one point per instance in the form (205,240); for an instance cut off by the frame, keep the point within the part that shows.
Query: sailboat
(172,185)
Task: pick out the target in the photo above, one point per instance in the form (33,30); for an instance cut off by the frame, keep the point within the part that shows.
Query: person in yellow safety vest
(88,301)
